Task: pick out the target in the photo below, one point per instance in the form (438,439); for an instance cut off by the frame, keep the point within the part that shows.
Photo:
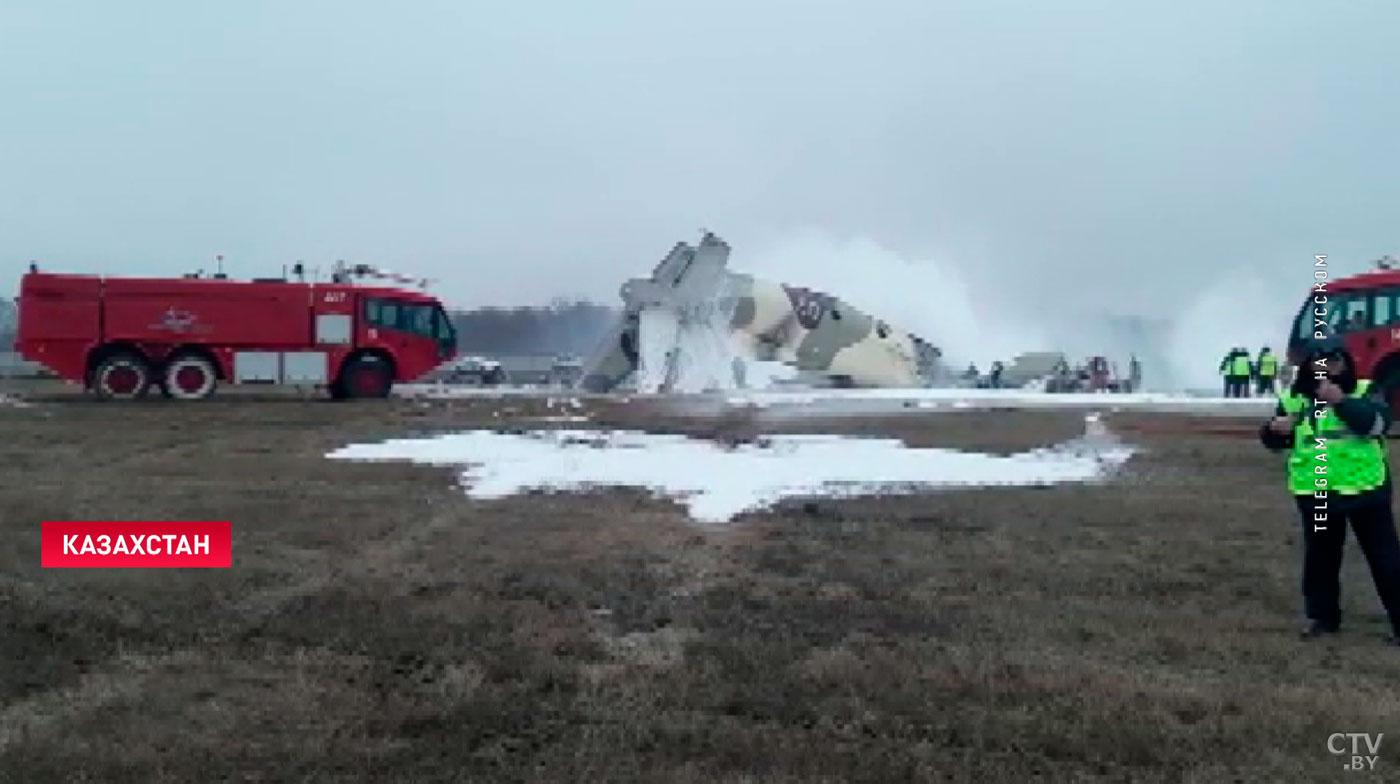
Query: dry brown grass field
(378,625)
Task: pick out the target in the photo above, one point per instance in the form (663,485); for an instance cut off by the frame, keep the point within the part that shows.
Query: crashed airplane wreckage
(695,326)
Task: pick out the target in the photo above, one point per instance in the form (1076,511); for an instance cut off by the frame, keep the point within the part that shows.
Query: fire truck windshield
(446,334)
(417,318)
(1345,312)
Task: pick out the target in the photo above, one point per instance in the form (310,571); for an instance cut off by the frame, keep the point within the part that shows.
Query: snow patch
(716,483)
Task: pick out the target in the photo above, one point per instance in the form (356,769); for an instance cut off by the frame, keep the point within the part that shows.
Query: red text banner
(86,545)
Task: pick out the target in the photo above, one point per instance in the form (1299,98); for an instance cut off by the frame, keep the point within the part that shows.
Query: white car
(473,370)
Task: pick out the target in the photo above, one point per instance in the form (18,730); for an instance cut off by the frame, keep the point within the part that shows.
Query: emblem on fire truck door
(180,322)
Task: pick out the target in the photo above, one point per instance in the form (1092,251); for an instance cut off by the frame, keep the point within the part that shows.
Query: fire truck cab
(1362,310)
(121,337)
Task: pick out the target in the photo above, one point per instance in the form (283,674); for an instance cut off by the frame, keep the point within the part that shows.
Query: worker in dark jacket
(1334,427)
(994,377)
(1226,368)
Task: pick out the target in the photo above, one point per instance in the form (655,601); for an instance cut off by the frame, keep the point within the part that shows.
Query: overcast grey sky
(1071,152)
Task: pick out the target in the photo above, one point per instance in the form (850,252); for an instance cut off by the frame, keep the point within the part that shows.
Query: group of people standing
(1239,370)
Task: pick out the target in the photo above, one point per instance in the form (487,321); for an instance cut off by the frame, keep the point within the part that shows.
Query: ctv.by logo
(1336,743)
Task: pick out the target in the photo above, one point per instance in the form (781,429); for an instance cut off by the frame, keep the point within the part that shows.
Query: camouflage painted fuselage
(817,332)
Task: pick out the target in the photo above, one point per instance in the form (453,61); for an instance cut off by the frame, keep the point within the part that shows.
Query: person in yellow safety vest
(1236,368)
(1333,426)
(1265,372)
(1225,370)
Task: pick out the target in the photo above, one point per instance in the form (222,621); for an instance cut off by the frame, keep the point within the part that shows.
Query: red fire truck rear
(122,337)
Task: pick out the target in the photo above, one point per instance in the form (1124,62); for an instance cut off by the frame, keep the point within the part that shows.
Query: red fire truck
(121,337)
(1364,311)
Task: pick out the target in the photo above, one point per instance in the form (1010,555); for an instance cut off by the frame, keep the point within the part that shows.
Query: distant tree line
(9,318)
(563,327)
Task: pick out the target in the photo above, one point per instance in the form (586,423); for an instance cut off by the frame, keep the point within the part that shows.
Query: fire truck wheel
(365,377)
(190,377)
(121,377)
(1389,386)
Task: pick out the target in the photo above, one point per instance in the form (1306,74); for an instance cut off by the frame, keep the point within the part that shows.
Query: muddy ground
(378,625)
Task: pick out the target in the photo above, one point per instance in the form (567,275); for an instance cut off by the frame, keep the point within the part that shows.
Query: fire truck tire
(190,377)
(123,376)
(365,377)
(1388,384)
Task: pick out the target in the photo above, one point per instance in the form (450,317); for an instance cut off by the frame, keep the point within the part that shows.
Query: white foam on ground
(759,374)
(450,391)
(798,395)
(688,351)
(717,483)
(13,401)
(970,397)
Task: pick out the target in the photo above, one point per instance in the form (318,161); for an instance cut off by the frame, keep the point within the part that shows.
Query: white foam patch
(996,397)
(759,374)
(686,352)
(828,402)
(717,483)
(13,401)
(453,391)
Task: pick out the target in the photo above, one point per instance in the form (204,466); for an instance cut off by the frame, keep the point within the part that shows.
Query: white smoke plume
(1180,346)
(1236,308)
(927,297)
